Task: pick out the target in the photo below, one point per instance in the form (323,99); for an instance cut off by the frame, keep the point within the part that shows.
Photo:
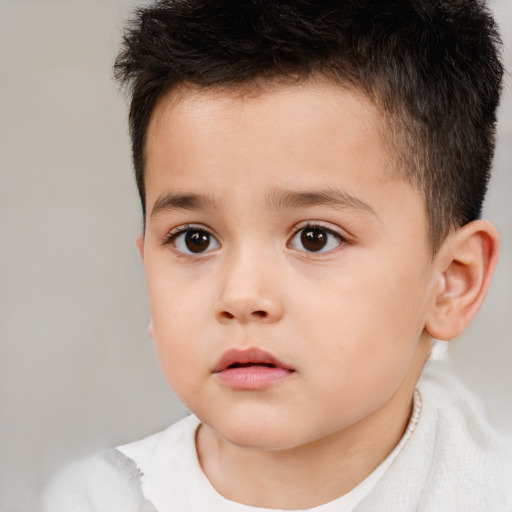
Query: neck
(309,475)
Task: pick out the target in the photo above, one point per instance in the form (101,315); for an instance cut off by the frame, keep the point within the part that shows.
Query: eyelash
(341,240)
(172,236)
(175,232)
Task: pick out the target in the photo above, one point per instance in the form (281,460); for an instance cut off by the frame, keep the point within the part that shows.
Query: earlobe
(151,330)
(139,242)
(465,265)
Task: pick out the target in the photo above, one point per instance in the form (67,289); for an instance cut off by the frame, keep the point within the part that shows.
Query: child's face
(275,222)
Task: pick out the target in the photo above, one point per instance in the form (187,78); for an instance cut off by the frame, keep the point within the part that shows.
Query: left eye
(315,239)
(195,241)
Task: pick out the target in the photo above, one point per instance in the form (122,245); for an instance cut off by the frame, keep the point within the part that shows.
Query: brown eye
(195,241)
(315,239)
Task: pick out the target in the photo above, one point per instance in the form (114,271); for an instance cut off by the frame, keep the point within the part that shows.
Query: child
(311,177)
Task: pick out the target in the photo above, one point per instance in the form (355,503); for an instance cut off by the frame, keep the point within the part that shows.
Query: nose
(249,292)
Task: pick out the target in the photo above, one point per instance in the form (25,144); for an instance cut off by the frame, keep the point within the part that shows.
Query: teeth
(246,365)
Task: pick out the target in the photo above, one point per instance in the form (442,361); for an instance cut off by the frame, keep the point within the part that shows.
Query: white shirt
(450,460)
(173,479)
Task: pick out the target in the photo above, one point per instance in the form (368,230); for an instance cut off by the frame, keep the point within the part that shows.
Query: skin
(351,321)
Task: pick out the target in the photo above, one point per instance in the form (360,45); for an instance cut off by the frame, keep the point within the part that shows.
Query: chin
(255,441)
(258,435)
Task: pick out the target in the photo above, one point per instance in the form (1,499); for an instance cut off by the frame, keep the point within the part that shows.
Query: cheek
(366,324)
(177,339)
(178,315)
(176,298)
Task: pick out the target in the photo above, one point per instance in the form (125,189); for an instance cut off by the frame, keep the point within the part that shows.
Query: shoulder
(454,460)
(97,483)
(470,460)
(175,442)
(113,481)
(459,417)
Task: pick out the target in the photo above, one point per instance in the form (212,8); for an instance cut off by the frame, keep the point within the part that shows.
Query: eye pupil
(197,240)
(313,239)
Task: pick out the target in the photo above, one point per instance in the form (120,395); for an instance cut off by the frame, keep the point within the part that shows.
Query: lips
(250,369)
(246,358)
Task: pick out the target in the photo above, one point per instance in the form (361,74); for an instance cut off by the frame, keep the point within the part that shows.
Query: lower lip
(252,377)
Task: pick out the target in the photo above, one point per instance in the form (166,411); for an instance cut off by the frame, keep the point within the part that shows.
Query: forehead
(314,118)
(303,137)
(317,96)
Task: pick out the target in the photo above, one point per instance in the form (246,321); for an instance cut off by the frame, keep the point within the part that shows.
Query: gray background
(77,369)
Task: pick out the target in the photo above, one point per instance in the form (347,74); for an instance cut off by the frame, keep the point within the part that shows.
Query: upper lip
(245,356)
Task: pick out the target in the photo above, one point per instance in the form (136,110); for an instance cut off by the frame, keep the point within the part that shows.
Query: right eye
(191,240)
(316,239)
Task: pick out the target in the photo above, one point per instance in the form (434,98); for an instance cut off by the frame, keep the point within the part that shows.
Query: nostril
(245,313)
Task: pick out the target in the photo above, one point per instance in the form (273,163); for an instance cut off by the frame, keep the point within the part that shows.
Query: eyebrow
(169,202)
(328,197)
(276,199)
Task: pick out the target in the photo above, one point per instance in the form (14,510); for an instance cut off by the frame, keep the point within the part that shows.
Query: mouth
(248,365)
(250,369)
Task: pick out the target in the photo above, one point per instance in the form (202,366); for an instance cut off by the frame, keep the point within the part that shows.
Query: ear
(464,266)
(139,242)
(151,329)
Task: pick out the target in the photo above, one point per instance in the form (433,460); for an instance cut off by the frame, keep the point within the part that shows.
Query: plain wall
(77,369)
